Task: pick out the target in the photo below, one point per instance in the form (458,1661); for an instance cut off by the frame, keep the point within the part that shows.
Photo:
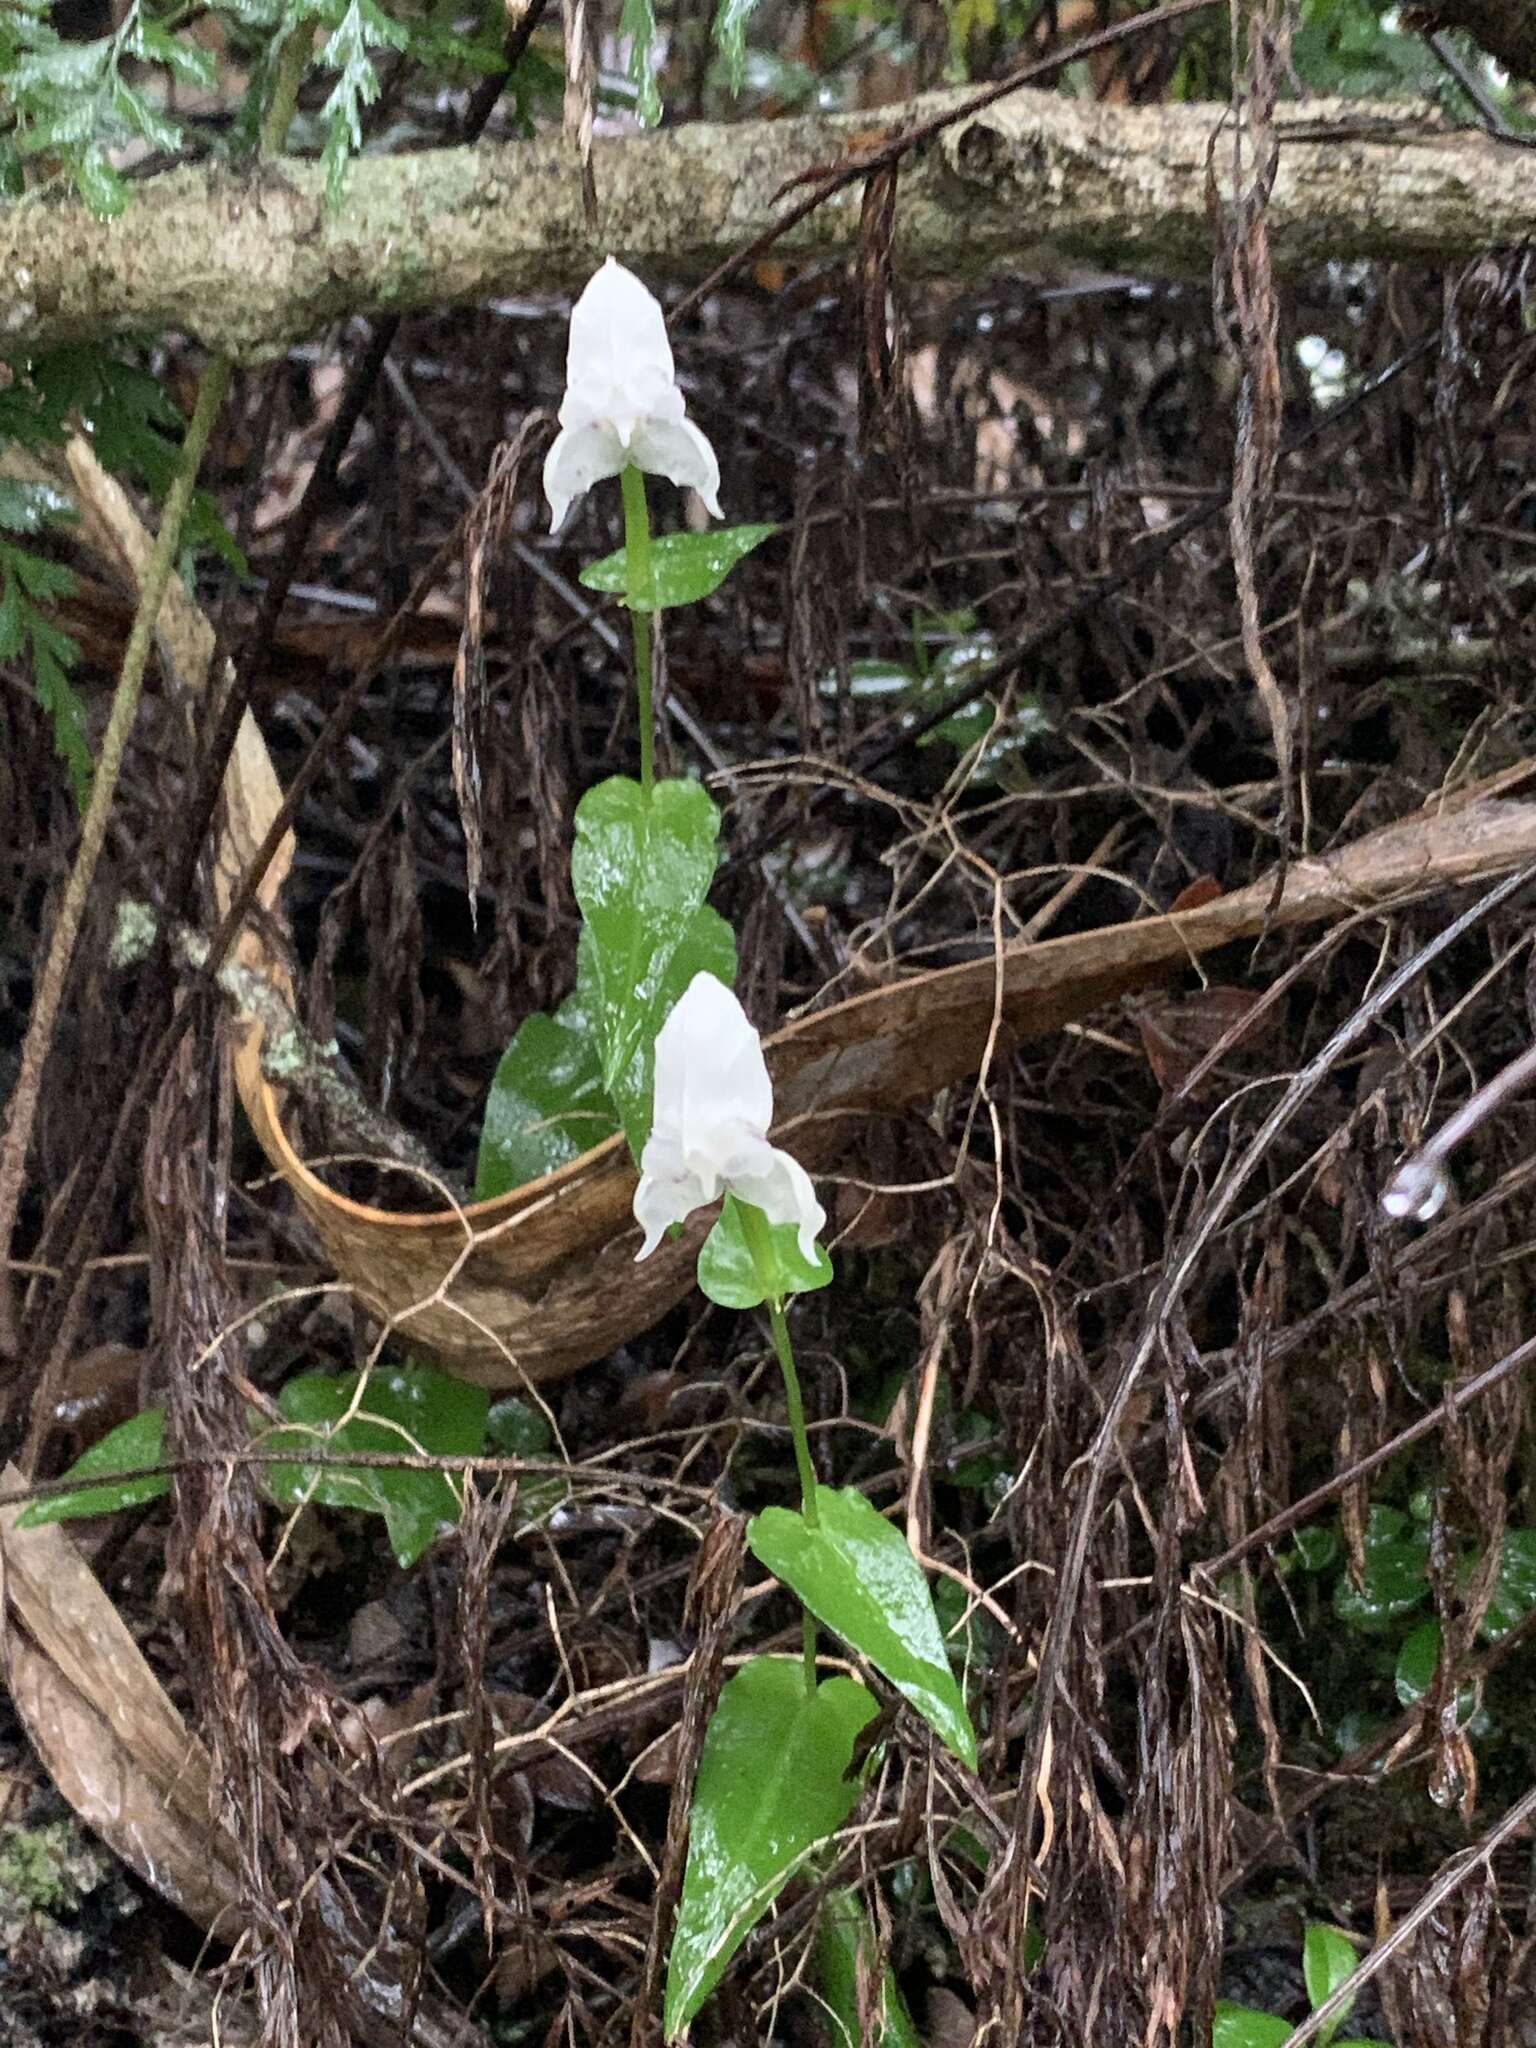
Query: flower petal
(668,1193)
(780,1186)
(678,451)
(618,356)
(579,458)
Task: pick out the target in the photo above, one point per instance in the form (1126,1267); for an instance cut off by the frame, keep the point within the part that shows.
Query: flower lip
(622,403)
(709,1132)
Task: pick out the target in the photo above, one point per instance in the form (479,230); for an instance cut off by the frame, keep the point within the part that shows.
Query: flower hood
(621,403)
(709,1134)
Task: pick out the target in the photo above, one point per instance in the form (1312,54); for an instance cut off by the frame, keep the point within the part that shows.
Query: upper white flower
(622,404)
(714,1103)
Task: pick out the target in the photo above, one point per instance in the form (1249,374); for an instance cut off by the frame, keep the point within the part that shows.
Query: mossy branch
(249,261)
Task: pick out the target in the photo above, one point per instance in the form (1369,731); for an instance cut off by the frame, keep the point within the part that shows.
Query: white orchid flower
(622,404)
(714,1103)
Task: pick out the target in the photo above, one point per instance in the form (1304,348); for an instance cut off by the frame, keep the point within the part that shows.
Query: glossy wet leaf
(1417,1662)
(728,1273)
(1514,1590)
(109,1466)
(1394,1581)
(773,1782)
(1328,1956)
(404,1409)
(684,566)
(844,1939)
(857,1575)
(1240,2026)
(641,870)
(547,1103)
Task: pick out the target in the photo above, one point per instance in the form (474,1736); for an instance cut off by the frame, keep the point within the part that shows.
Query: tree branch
(249,262)
(1506,29)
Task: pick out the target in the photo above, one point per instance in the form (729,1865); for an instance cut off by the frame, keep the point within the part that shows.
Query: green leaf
(53,655)
(1394,1581)
(1240,2026)
(362,29)
(146,119)
(731,37)
(26,582)
(1417,1662)
(641,871)
(638,22)
(71,100)
(547,1103)
(844,1941)
(728,1273)
(1327,1957)
(136,428)
(986,1467)
(32,507)
(773,1782)
(857,1575)
(403,1409)
(110,1465)
(967,1631)
(190,63)
(1316,1547)
(684,566)
(1514,1590)
(514,1428)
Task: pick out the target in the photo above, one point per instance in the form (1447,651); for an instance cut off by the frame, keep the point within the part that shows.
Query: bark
(250,261)
(1506,29)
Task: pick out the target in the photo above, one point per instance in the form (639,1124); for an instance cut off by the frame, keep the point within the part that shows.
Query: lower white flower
(621,403)
(709,1134)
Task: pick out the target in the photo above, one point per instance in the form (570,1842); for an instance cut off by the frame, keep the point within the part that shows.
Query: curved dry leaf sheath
(543,1280)
(539,1282)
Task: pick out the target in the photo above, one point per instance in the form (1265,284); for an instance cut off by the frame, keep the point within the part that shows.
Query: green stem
(637,585)
(292,63)
(755,1229)
(785,1349)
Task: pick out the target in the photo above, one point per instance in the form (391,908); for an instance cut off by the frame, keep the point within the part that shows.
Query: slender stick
(114,746)
(212,390)
(637,582)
